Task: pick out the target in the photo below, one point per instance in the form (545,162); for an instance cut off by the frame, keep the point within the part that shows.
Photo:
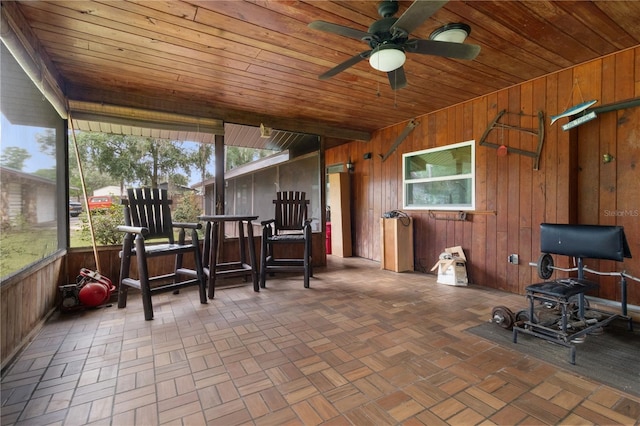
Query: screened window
(440,178)
(263,198)
(253,193)
(32,136)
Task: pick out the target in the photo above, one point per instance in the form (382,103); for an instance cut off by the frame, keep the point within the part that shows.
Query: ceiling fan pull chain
(395,92)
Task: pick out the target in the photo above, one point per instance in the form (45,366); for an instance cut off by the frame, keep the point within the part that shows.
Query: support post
(219,175)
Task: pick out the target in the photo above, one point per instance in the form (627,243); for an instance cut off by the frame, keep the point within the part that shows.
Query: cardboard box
(452,270)
(453,274)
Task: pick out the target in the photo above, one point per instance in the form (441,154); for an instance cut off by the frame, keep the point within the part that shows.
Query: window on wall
(440,178)
(32,134)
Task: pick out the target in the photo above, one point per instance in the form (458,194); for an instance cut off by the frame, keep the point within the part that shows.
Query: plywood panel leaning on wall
(340,203)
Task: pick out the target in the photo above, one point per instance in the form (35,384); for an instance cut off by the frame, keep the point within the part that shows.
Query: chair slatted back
(150,208)
(291,210)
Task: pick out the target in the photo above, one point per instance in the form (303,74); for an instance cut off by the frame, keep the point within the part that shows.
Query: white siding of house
(15,200)
(108,190)
(46,204)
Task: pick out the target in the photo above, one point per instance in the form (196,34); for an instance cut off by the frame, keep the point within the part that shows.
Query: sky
(25,137)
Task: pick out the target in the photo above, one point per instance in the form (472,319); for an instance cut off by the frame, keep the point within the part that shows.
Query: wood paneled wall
(26,300)
(572,184)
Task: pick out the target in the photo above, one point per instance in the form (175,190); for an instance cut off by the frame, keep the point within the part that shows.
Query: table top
(226,217)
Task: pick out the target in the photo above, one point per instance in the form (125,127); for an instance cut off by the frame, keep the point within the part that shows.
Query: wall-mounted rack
(495,124)
(448,215)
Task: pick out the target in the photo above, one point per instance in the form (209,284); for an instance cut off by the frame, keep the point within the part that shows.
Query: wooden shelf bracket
(408,129)
(496,124)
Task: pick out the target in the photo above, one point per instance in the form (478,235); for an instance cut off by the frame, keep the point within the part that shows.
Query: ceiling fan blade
(339,29)
(346,64)
(443,48)
(417,13)
(397,78)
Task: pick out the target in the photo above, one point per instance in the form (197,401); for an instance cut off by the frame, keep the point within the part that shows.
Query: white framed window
(440,178)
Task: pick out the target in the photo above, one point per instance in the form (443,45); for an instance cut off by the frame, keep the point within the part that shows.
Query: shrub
(187,210)
(105,222)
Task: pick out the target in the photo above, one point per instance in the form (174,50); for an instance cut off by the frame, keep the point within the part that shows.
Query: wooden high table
(214,236)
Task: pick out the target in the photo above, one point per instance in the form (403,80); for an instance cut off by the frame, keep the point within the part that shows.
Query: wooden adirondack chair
(147,216)
(290,226)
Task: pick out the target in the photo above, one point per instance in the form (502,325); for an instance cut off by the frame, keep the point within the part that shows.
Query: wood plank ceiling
(252,62)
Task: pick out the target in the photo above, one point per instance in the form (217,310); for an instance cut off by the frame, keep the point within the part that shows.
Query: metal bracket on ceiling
(495,124)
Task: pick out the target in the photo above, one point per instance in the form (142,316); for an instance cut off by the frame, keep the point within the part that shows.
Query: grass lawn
(78,241)
(19,249)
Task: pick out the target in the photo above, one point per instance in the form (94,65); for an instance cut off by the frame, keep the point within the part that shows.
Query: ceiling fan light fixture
(387,58)
(454,33)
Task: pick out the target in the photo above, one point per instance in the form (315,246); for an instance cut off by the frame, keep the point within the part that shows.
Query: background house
(108,190)
(27,198)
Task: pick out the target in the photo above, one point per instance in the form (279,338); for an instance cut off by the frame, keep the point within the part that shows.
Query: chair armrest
(187,225)
(267,222)
(306,228)
(133,229)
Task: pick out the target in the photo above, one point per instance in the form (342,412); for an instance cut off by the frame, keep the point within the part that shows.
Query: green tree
(201,160)
(46,173)
(237,156)
(116,156)
(47,145)
(178,179)
(14,157)
(92,176)
(162,158)
(47,142)
(131,159)
(187,210)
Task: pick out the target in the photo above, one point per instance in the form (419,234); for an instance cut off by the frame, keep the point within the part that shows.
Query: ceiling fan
(389,40)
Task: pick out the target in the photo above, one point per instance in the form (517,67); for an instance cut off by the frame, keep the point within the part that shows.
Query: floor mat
(612,358)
